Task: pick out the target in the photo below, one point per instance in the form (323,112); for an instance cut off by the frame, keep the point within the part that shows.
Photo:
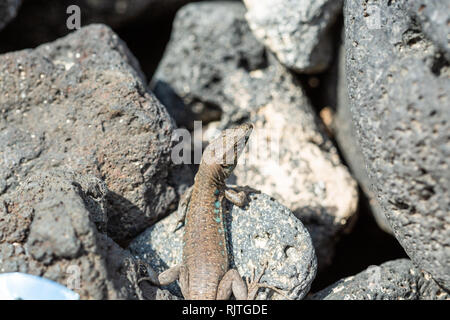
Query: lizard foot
(152,276)
(253,284)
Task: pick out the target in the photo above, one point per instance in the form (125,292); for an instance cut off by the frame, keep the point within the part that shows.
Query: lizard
(204,272)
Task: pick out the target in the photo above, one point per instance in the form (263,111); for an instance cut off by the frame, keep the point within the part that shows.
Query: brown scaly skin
(204,272)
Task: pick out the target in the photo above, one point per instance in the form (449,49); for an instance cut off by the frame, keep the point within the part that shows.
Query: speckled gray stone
(393,280)
(209,40)
(82,102)
(8,10)
(297,31)
(264,230)
(345,134)
(399,85)
(49,228)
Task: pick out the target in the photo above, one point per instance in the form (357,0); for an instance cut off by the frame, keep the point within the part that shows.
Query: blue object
(22,286)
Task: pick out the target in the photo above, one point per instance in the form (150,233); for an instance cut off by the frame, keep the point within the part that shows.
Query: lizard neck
(210,176)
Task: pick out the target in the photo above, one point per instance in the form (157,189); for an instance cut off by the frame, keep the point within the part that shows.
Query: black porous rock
(264,230)
(399,85)
(49,227)
(393,280)
(82,102)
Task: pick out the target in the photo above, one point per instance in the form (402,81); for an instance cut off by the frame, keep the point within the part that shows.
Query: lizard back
(205,249)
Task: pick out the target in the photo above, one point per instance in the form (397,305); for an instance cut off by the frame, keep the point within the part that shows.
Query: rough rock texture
(433,17)
(393,280)
(297,31)
(8,10)
(81,102)
(399,85)
(345,134)
(308,177)
(48,228)
(195,61)
(264,230)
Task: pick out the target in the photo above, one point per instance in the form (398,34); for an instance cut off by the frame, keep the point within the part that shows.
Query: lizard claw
(180,223)
(253,282)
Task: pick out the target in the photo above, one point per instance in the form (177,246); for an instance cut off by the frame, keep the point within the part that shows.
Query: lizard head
(223,152)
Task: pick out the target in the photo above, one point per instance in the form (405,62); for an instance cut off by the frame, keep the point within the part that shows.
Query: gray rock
(399,86)
(48,229)
(8,10)
(264,230)
(393,280)
(82,102)
(298,32)
(345,134)
(195,62)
